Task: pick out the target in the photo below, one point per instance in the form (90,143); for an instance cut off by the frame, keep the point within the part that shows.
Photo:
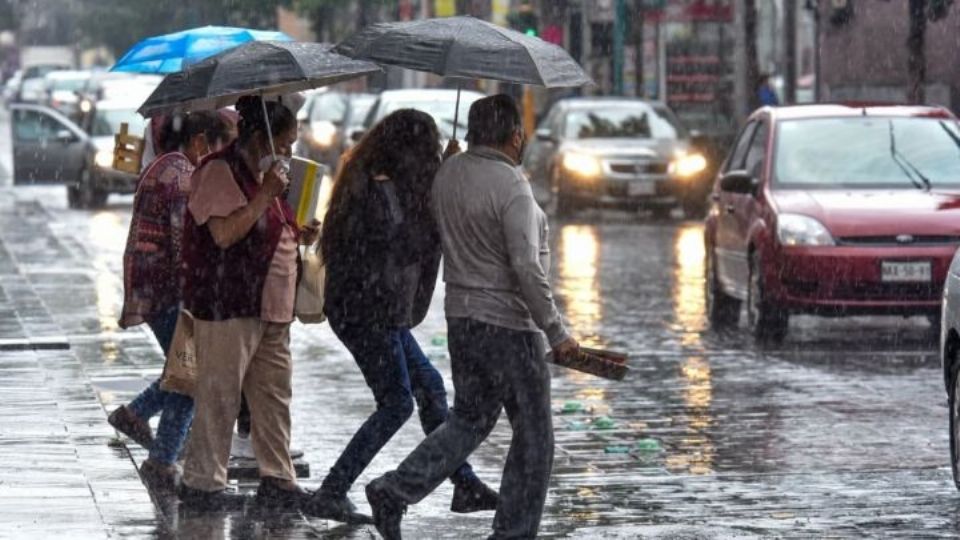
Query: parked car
(834,210)
(320,120)
(439,103)
(616,152)
(63,90)
(49,147)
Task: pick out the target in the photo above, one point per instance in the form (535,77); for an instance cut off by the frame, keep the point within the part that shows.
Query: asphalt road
(840,431)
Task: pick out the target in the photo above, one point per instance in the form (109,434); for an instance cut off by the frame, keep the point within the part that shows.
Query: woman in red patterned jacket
(151,283)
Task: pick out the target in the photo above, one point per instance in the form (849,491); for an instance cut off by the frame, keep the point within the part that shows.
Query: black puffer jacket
(383,268)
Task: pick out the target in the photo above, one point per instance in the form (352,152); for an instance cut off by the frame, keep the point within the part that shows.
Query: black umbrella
(256,67)
(465,47)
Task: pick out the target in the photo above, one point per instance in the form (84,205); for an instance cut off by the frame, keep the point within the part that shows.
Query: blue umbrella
(170,53)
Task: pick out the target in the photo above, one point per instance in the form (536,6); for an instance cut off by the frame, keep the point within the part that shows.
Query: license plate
(640,188)
(905,272)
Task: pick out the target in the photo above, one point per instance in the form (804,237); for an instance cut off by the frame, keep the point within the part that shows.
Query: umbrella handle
(266,121)
(456,111)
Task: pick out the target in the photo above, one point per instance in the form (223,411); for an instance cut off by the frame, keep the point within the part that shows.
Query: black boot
(387,511)
(279,493)
(336,507)
(473,496)
(210,501)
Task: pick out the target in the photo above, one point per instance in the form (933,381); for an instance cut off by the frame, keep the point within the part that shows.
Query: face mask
(267,161)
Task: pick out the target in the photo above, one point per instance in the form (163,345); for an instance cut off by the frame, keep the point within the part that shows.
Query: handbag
(180,369)
(308,306)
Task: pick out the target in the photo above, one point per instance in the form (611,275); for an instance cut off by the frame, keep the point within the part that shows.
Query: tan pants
(245,354)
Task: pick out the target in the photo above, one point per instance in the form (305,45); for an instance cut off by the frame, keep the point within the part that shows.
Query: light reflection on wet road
(841,430)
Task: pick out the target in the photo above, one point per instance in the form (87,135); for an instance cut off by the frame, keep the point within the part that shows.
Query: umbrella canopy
(257,67)
(170,53)
(466,47)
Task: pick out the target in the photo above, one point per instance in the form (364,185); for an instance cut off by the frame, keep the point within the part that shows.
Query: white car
(439,103)
(950,359)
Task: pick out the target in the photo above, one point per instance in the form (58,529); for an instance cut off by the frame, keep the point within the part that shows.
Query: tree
(118,24)
(331,20)
(921,11)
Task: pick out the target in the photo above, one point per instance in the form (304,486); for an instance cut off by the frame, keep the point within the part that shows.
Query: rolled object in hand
(606,364)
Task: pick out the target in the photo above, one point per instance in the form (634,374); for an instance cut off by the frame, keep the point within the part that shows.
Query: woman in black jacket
(382,254)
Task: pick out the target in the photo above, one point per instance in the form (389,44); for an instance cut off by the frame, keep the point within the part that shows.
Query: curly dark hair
(404,146)
(178,130)
(250,108)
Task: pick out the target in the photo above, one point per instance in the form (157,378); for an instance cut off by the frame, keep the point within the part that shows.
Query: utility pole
(637,31)
(790,51)
(619,34)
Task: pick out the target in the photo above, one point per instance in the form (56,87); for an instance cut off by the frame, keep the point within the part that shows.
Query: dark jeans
(493,367)
(177,408)
(397,372)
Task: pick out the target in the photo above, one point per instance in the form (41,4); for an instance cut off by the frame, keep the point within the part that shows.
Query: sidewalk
(59,477)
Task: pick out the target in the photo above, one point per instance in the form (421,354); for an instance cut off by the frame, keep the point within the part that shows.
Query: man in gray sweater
(496,257)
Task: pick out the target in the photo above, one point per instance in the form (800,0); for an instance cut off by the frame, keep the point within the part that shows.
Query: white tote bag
(309,303)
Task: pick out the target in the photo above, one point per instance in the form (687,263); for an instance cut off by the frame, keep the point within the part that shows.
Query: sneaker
(387,511)
(210,501)
(131,425)
(279,493)
(336,507)
(473,496)
(242,448)
(158,476)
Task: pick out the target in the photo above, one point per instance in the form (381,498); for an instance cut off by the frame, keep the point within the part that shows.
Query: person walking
(381,248)
(498,300)
(151,284)
(241,265)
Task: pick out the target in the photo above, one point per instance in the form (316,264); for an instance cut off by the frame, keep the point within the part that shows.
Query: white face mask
(267,161)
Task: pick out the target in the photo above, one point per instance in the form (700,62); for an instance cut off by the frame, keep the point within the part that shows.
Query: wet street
(841,431)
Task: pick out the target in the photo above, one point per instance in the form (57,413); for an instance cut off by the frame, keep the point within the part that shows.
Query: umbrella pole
(456,111)
(266,121)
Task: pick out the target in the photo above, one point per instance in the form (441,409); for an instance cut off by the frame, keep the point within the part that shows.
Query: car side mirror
(64,136)
(739,181)
(356,135)
(544,135)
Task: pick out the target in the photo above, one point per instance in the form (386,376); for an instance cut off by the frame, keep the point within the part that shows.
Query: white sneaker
(241,448)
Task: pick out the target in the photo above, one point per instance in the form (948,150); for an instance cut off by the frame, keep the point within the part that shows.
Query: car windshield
(329,106)
(360,108)
(633,122)
(107,122)
(867,152)
(440,108)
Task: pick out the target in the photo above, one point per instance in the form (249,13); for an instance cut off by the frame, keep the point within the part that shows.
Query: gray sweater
(496,255)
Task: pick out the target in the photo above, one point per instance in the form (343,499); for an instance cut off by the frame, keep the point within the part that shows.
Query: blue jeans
(177,408)
(397,372)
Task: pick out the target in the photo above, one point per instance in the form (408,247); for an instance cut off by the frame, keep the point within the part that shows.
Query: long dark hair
(404,146)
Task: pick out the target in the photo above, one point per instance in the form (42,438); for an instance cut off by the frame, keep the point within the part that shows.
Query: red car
(834,210)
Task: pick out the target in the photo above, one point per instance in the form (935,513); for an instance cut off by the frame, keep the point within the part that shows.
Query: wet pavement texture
(841,431)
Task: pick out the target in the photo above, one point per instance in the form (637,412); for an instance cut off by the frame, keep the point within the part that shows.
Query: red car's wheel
(767,321)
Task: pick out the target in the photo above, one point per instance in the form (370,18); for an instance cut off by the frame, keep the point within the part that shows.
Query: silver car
(615,152)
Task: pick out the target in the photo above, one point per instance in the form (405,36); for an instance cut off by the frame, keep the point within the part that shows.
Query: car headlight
(104,159)
(797,230)
(581,164)
(323,132)
(687,165)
